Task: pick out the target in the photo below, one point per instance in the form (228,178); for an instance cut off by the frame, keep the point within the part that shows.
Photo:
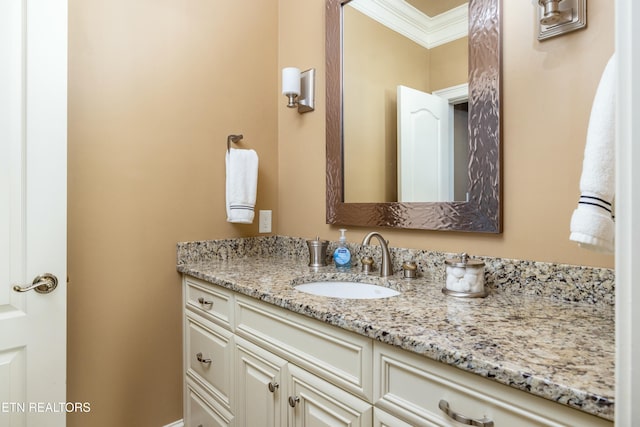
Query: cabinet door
(385,419)
(261,386)
(313,402)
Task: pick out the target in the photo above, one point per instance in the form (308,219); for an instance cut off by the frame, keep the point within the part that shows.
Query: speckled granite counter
(559,350)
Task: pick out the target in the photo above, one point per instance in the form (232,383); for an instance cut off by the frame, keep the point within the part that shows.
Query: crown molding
(405,19)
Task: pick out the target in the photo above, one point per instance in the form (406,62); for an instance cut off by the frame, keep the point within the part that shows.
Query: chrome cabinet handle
(202,360)
(205,303)
(273,386)
(293,401)
(444,407)
(42,284)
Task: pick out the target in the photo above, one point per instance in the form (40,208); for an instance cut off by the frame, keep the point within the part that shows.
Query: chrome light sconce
(299,88)
(557,17)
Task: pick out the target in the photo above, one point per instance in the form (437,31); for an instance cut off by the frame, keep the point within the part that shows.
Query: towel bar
(234,139)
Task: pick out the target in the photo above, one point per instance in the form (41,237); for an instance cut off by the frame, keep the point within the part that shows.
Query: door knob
(293,401)
(42,284)
(273,386)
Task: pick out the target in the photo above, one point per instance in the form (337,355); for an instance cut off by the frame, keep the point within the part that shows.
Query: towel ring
(234,139)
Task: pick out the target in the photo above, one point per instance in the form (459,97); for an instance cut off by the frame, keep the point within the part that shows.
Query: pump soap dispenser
(342,256)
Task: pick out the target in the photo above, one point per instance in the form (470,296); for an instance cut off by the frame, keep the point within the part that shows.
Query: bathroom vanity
(257,352)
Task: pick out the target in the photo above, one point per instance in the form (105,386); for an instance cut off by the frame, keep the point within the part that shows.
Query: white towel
(241,185)
(592,223)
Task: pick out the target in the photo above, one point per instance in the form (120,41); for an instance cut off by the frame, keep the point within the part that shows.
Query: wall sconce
(557,17)
(299,87)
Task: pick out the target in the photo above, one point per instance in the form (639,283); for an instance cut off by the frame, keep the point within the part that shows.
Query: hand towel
(241,185)
(592,223)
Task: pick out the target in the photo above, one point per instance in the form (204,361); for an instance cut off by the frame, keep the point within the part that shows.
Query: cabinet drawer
(340,357)
(201,413)
(211,302)
(410,387)
(209,358)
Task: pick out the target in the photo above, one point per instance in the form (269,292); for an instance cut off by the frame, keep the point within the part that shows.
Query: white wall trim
(429,32)
(627,14)
(454,94)
(179,423)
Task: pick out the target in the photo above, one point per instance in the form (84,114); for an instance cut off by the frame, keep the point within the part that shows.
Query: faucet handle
(410,269)
(367,265)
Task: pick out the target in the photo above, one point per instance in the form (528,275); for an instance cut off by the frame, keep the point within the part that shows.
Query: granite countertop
(562,351)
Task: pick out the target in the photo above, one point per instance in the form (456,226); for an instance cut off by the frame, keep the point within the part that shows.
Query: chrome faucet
(385,267)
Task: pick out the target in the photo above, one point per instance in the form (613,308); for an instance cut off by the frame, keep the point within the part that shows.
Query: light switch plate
(264,221)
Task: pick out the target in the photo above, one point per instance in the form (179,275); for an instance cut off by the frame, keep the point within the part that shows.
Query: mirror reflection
(405,92)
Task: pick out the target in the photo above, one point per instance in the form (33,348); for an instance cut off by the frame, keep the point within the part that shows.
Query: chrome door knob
(42,284)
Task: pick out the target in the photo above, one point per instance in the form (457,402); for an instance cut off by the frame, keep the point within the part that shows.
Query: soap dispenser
(342,256)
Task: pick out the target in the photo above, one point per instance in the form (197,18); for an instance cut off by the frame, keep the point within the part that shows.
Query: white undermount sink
(347,290)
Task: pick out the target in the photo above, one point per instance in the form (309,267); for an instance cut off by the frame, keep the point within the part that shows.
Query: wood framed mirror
(479,207)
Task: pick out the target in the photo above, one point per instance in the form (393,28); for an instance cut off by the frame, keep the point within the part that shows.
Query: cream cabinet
(269,367)
(248,363)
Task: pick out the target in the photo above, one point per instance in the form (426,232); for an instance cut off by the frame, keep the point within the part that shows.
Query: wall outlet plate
(264,221)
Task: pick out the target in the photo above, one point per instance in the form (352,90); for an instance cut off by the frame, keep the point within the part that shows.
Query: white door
(33,132)
(425,147)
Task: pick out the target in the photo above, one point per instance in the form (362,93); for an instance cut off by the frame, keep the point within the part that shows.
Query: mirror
(477,208)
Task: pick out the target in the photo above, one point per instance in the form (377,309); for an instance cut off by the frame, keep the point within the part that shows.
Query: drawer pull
(202,360)
(273,386)
(444,407)
(293,401)
(206,304)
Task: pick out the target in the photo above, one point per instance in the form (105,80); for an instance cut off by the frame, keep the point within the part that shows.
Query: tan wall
(449,64)
(155,86)
(548,90)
